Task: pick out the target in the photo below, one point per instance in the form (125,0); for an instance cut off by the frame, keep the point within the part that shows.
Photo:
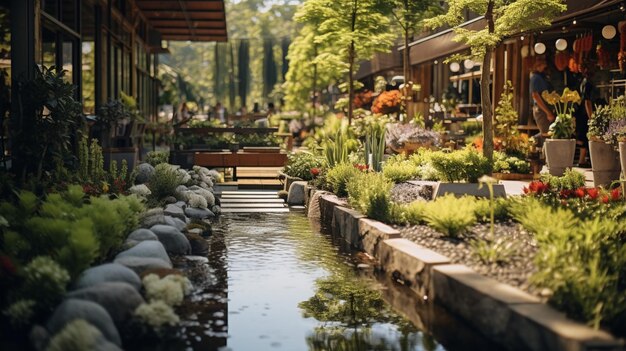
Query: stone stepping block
(254,210)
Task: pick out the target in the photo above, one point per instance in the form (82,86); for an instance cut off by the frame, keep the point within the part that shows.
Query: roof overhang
(182,20)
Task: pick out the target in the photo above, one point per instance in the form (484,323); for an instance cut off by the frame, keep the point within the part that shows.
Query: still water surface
(275,283)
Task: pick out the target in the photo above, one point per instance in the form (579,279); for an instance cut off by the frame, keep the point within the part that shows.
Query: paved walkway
(252,201)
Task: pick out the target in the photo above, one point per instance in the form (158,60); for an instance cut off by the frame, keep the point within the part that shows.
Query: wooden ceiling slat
(197,31)
(208,24)
(196,38)
(175,5)
(211,15)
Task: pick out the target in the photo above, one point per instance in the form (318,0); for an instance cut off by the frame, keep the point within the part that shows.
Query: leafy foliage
(451,216)
(157,157)
(164,182)
(464,165)
(369,193)
(498,251)
(300,164)
(502,163)
(401,170)
(340,176)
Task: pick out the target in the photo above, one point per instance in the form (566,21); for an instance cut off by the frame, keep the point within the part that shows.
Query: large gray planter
(605,163)
(559,155)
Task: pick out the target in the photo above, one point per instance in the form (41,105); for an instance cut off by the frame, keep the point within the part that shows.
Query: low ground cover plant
(302,165)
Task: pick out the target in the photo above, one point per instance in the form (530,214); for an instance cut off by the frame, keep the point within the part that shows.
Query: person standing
(583,112)
(539,83)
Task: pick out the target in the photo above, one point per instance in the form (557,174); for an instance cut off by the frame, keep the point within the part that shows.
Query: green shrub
(399,171)
(339,176)
(300,164)
(581,261)
(502,163)
(498,251)
(450,215)
(463,165)
(369,193)
(501,209)
(45,280)
(163,183)
(570,180)
(412,213)
(157,157)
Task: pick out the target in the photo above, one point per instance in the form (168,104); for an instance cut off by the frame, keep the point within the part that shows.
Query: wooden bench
(240,159)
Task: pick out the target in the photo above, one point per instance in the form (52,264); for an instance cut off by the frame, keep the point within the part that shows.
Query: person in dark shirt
(583,112)
(539,83)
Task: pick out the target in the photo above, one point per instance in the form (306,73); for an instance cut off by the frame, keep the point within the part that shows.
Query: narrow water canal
(276,283)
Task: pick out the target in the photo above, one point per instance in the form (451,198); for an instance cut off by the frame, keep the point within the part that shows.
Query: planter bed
(515,272)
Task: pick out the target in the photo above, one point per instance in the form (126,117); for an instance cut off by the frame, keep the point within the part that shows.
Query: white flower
(156,314)
(77,335)
(171,289)
(140,190)
(184,176)
(207,195)
(196,200)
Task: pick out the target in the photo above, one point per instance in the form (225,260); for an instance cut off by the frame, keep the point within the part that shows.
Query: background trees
(502,18)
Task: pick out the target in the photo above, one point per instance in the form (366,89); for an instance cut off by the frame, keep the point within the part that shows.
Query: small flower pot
(605,163)
(559,155)
(233,147)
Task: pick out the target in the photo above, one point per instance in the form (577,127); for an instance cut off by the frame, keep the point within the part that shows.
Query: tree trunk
(350,82)
(486,107)
(314,87)
(484,90)
(406,72)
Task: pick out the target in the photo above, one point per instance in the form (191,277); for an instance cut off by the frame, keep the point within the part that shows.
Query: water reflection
(273,283)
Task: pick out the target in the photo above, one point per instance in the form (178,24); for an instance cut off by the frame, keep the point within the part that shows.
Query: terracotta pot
(605,163)
(559,155)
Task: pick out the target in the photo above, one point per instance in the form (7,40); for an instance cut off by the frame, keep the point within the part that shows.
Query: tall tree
(502,18)
(243,70)
(269,67)
(356,28)
(409,15)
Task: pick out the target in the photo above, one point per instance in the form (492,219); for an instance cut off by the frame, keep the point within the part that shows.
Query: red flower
(526,190)
(616,194)
(593,193)
(580,192)
(7,265)
(361,167)
(537,186)
(315,171)
(605,199)
(565,193)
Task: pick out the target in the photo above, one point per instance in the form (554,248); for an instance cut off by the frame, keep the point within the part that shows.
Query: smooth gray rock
(145,171)
(296,193)
(142,234)
(198,213)
(39,337)
(216,209)
(72,309)
(140,264)
(147,248)
(176,223)
(119,299)
(170,200)
(152,217)
(174,211)
(108,272)
(181,204)
(172,239)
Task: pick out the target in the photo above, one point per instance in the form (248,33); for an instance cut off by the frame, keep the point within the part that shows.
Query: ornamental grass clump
(163,183)
(339,176)
(370,194)
(450,215)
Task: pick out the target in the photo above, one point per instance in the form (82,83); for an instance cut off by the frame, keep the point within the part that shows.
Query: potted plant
(560,148)
(605,163)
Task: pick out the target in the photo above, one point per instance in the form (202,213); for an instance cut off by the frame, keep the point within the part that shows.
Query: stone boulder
(216,209)
(181,204)
(140,264)
(152,217)
(175,211)
(119,299)
(148,248)
(96,315)
(176,223)
(199,245)
(296,193)
(108,272)
(142,234)
(198,213)
(172,239)
(145,171)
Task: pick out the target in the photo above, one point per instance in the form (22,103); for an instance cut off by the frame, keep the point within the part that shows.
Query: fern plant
(450,215)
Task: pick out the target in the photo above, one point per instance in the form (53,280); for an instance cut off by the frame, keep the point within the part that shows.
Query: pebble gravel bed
(516,271)
(404,193)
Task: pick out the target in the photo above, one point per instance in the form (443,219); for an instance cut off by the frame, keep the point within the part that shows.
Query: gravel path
(404,193)
(516,271)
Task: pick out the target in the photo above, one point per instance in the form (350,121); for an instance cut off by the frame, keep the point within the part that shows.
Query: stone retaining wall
(503,313)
